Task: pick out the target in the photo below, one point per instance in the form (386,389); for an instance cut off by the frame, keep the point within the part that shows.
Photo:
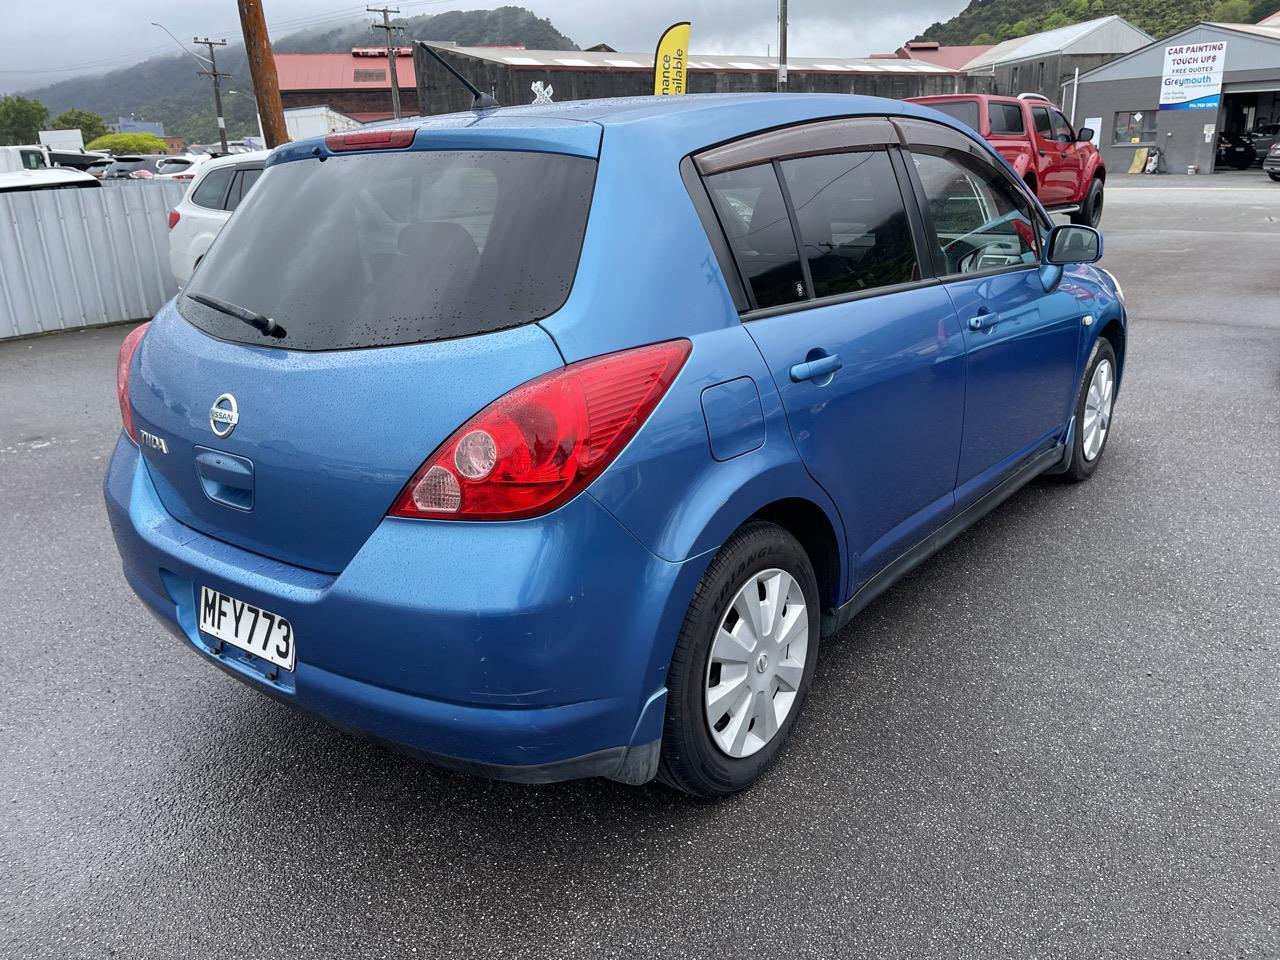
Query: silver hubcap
(757,660)
(1097,410)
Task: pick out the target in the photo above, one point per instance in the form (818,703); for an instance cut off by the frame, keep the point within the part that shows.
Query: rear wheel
(1274,176)
(742,664)
(1090,212)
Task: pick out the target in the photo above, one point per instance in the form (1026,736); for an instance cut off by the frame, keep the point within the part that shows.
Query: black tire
(1274,176)
(691,760)
(1090,212)
(1082,469)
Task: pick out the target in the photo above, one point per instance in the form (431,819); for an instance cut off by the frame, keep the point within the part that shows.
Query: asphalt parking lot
(1058,738)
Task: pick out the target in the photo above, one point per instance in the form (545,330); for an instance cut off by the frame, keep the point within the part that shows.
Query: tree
(21,119)
(118,143)
(90,125)
(1231,11)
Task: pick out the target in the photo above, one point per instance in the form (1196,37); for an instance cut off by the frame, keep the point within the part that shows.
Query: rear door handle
(816,369)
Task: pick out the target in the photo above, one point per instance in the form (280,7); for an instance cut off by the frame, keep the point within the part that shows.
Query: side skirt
(836,619)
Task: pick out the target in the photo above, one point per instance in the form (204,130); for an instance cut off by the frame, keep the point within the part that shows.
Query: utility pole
(782,46)
(262,70)
(213,74)
(392,30)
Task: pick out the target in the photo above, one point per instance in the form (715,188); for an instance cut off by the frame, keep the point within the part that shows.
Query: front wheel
(1090,212)
(742,664)
(1094,407)
(1274,176)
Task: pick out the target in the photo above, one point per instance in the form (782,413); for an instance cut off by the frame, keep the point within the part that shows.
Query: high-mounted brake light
(370,139)
(540,445)
(122,377)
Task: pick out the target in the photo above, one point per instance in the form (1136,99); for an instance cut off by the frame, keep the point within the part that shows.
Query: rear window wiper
(265,325)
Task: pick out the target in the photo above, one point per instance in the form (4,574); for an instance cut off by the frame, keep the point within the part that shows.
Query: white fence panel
(74,258)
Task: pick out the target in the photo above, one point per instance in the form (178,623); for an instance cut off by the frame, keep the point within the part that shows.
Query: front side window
(1062,131)
(1044,126)
(1134,126)
(980,220)
(33,159)
(852,221)
(754,216)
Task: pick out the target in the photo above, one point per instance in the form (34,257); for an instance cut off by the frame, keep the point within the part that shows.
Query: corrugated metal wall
(74,258)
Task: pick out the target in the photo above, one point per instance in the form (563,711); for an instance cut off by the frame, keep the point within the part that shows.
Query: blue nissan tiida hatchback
(549,442)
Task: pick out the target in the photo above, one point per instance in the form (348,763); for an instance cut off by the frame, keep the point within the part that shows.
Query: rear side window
(1044,128)
(391,248)
(754,216)
(1006,119)
(243,181)
(966,111)
(212,188)
(853,224)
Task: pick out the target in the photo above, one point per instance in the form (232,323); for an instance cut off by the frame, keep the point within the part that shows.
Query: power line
(391,30)
(213,74)
(295,24)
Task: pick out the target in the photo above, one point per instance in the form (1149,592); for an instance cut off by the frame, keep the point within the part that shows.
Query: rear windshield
(382,249)
(966,111)
(129,165)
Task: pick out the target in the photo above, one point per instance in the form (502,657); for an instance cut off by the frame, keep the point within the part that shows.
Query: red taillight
(538,446)
(370,139)
(174,217)
(141,175)
(122,377)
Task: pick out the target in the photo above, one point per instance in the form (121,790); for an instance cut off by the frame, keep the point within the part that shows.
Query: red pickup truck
(1061,166)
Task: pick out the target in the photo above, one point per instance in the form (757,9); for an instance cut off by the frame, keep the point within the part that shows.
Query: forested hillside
(990,21)
(169,90)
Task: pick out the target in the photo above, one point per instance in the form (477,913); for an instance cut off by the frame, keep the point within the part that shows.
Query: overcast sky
(89,36)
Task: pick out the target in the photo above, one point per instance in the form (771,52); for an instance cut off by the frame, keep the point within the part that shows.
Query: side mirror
(1084,135)
(1069,243)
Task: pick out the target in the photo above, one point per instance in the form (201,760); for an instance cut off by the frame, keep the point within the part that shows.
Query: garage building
(1124,97)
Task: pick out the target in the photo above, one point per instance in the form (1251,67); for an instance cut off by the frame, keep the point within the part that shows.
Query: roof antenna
(482,101)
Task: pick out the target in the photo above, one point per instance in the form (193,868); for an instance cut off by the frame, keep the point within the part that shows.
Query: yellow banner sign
(670,60)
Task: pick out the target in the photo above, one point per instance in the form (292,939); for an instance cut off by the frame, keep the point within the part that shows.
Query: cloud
(97,36)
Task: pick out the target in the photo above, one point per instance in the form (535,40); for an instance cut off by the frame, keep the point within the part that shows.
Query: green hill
(991,21)
(167,89)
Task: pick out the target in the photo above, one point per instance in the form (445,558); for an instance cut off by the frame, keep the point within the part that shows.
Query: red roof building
(930,51)
(356,83)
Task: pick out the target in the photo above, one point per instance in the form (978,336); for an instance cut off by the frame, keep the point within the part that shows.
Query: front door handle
(985,320)
(816,369)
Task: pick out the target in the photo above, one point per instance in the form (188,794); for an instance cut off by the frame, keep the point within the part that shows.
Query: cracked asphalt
(1057,738)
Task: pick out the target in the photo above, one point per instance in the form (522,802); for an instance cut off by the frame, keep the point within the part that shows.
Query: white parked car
(183,167)
(60,178)
(219,186)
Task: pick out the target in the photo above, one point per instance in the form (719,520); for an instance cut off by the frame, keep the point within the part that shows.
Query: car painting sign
(1192,76)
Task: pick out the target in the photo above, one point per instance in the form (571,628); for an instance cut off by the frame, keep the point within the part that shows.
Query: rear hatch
(407,283)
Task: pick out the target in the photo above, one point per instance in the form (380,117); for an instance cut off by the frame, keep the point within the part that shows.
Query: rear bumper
(1271,164)
(531,651)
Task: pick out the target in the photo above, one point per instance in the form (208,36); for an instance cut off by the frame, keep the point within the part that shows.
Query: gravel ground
(1058,738)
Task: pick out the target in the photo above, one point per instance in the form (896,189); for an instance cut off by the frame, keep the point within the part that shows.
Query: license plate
(252,629)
